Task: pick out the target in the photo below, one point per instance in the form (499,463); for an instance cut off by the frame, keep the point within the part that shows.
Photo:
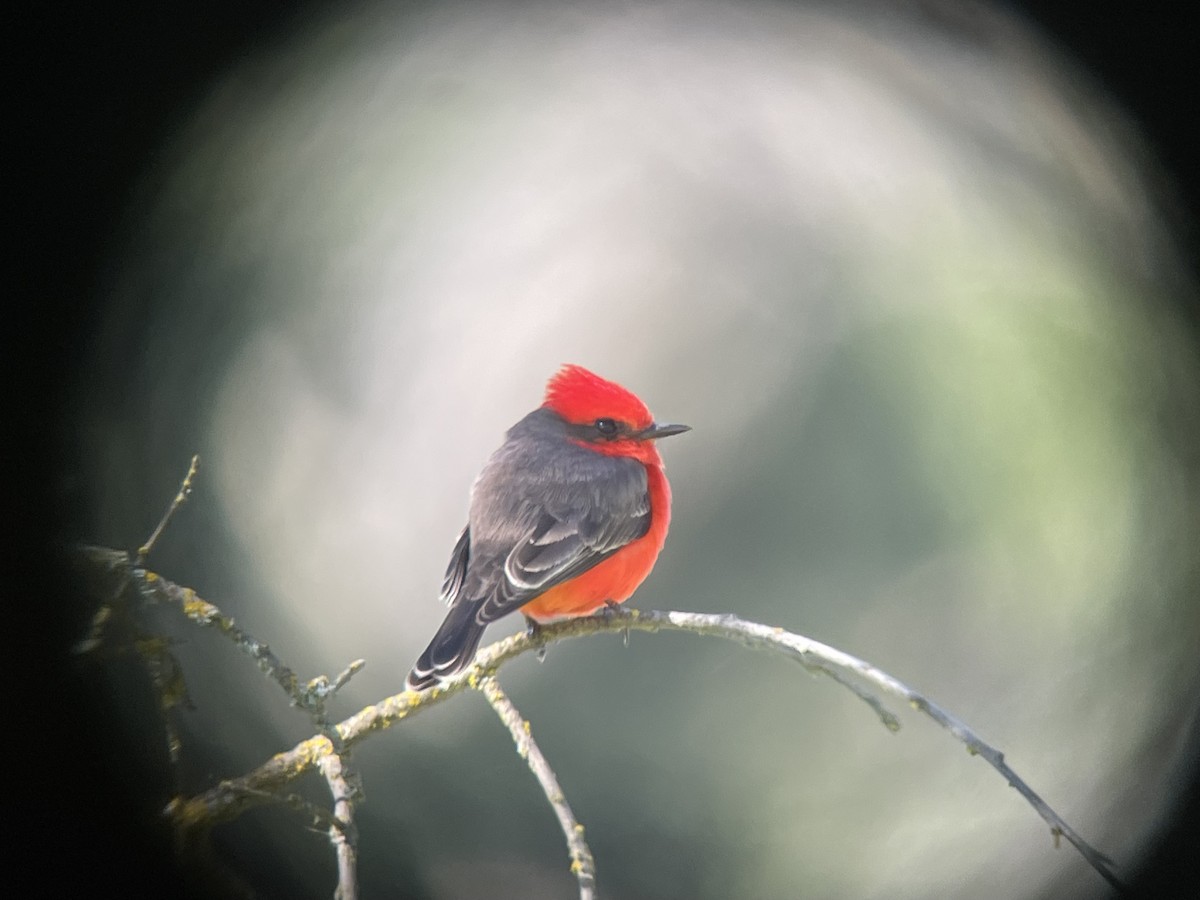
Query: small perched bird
(567,516)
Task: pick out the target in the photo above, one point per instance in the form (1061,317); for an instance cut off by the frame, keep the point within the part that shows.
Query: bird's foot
(533,631)
(533,628)
(613,610)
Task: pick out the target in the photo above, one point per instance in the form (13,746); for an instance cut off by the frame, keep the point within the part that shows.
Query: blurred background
(913,272)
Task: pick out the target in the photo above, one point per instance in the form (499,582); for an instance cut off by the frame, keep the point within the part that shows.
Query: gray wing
(456,571)
(562,528)
(556,551)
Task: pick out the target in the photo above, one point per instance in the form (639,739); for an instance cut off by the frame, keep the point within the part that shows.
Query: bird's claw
(612,610)
(533,631)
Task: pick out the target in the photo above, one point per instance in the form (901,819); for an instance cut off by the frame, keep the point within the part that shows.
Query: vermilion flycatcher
(567,516)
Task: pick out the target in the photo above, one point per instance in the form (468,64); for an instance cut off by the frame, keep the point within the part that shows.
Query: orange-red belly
(618,576)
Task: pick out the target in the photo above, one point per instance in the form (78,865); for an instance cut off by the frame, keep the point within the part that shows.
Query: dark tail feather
(451,650)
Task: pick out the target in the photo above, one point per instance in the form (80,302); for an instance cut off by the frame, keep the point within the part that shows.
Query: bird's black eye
(606,427)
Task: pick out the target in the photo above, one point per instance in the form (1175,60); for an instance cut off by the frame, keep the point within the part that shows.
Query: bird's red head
(607,418)
(581,397)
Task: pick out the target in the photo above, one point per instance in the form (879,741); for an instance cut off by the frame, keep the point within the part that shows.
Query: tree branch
(816,656)
(229,798)
(583,866)
(344,784)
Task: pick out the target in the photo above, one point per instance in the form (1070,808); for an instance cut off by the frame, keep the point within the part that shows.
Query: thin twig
(155,588)
(96,630)
(166,676)
(229,798)
(185,490)
(343,834)
(583,866)
(114,631)
(112,574)
(320,818)
(310,696)
(815,655)
(343,781)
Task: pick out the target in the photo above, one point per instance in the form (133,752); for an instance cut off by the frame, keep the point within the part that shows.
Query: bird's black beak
(656,431)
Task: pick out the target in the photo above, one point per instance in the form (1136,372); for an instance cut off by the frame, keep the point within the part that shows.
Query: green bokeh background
(910,289)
